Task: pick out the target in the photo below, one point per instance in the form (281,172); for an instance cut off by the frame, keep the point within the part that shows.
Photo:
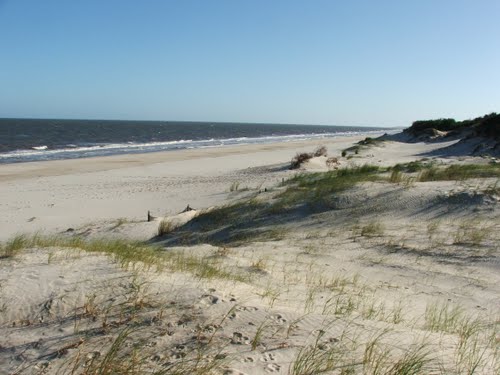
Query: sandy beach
(57,195)
(392,274)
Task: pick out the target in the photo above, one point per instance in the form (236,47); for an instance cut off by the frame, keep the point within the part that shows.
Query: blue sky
(312,61)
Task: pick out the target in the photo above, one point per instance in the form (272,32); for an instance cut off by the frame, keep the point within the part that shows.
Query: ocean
(23,140)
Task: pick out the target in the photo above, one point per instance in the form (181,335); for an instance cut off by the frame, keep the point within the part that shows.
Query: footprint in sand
(246,308)
(240,339)
(273,367)
(248,359)
(231,371)
(267,357)
(278,318)
(33,276)
(210,299)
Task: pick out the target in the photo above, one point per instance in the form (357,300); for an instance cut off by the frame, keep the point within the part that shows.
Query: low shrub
(320,151)
(300,159)
(332,162)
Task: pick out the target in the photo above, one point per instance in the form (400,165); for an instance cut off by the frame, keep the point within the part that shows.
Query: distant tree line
(486,126)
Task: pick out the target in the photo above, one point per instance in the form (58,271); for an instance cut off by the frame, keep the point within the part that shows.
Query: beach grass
(306,193)
(129,254)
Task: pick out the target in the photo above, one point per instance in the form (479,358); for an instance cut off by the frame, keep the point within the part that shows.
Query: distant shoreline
(44,153)
(45,168)
(36,140)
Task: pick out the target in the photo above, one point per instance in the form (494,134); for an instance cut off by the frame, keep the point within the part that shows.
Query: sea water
(23,140)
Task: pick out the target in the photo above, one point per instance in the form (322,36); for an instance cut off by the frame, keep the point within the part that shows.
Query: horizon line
(200,122)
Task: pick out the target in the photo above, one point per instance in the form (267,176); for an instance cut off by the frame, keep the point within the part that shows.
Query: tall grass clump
(165,227)
(235,185)
(316,359)
(379,359)
(14,246)
(443,318)
(396,176)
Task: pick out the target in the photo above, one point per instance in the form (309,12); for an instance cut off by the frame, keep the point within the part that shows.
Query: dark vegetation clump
(363,144)
(369,141)
(442,124)
(302,157)
(320,151)
(486,126)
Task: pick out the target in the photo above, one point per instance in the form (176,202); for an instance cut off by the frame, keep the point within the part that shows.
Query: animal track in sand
(240,339)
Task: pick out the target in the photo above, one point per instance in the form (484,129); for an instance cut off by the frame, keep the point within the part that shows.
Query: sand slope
(390,275)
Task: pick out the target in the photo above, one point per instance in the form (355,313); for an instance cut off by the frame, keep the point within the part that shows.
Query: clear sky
(312,61)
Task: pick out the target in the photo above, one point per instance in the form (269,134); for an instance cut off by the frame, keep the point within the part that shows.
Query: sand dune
(388,275)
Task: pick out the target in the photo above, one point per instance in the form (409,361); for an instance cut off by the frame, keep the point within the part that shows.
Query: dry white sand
(349,289)
(57,195)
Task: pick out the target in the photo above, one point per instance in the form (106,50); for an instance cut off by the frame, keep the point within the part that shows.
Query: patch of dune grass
(201,267)
(242,221)
(412,167)
(443,318)
(128,254)
(459,172)
(310,188)
(129,355)
(227,214)
(318,188)
(372,229)
(316,359)
(13,246)
(165,227)
(248,219)
(124,251)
